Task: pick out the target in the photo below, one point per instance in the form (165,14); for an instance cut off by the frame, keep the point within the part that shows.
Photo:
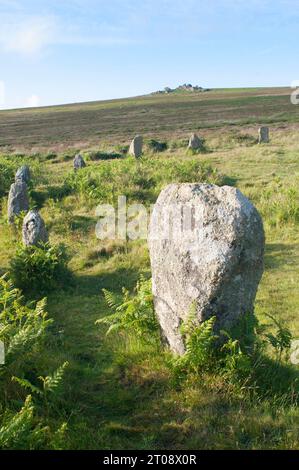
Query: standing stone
(79,162)
(23,174)
(195,143)
(18,200)
(264,135)
(34,230)
(136,146)
(206,246)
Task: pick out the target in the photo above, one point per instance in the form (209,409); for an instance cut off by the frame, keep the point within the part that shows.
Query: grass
(160,116)
(118,392)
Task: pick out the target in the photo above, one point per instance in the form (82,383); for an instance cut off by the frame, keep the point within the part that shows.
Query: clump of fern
(48,387)
(39,269)
(199,340)
(23,330)
(235,364)
(22,430)
(208,352)
(132,313)
(239,356)
(17,427)
(22,327)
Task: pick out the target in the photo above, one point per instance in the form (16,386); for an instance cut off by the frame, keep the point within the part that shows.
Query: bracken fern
(132,313)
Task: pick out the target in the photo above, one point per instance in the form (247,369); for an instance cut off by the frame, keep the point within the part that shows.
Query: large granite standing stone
(136,146)
(79,162)
(23,174)
(18,200)
(206,246)
(264,135)
(195,143)
(34,230)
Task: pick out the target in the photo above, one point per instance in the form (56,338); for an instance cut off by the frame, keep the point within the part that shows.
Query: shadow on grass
(114,281)
(229,180)
(38,197)
(277,380)
(55,192)
(74,223)
(95,156)
(83,224)
(277,254)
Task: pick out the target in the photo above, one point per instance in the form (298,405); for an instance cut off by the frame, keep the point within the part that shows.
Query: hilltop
(186,87)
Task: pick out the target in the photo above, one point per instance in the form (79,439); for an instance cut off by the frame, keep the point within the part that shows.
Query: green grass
(118,392)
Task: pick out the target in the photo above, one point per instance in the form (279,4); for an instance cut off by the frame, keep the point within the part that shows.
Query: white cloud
(33,101)
(27,35)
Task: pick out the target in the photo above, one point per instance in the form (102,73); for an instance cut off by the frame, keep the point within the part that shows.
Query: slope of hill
(160,116)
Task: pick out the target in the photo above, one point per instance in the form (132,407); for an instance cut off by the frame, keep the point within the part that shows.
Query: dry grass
(167,116)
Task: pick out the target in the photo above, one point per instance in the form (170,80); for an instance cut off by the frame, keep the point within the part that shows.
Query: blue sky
(64,51)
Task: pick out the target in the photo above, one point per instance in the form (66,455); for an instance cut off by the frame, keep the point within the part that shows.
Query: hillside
(120,391)
(160,116)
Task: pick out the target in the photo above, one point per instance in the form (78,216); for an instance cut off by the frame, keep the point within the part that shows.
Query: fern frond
(52,381)
(27,385)
(113,300)
(18,426)
(24,337)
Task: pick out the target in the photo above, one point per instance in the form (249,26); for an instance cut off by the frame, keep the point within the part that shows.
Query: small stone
(136,146)
(34,230)
(23,174)
(18,200)
(264,135)
(79,162)
(206,247)
(195,143)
